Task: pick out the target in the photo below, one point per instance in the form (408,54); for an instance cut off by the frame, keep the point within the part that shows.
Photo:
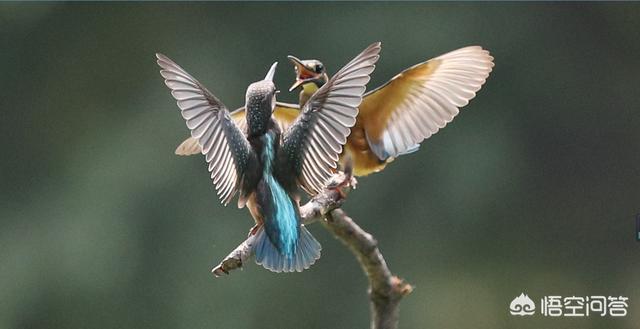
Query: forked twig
(385,289)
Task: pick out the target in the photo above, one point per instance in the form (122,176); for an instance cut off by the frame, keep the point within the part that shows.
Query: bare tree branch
(385,290)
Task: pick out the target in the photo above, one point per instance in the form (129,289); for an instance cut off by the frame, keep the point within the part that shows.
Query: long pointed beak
(272,72)
(296,84)
(299,66)
(301,69)
(295,60)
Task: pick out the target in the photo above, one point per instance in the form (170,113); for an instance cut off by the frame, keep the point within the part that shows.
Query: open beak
(303,73)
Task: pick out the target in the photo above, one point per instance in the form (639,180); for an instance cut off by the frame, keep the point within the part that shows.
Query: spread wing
(313,142)
(222,143)
(284,114)
(419,101)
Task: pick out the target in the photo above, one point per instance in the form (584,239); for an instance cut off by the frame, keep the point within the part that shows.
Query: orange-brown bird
(396,117)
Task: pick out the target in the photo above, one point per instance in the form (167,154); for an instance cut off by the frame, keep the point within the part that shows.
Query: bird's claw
(342,183)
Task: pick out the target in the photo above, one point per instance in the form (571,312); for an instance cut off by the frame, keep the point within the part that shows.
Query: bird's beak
(303,73)
(272,72)
(296,84)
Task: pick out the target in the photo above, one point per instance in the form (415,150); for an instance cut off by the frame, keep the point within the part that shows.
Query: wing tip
(163,58)
(374,48)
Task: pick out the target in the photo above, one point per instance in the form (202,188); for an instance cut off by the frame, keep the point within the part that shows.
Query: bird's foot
(342,183)
(331,197)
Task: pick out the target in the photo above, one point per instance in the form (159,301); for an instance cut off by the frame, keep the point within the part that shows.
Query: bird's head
(259,103)
(308,71)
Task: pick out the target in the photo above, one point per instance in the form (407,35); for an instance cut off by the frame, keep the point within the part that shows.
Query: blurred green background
(533,188)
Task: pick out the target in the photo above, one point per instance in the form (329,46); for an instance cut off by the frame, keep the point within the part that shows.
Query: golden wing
(284,114)
(414,105)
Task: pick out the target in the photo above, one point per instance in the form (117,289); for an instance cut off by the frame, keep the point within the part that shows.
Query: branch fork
(385,289)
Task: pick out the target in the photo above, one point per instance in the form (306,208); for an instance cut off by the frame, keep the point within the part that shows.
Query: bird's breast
(357,139)
(364,160)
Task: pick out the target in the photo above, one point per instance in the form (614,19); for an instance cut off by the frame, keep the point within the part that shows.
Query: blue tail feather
(306,252)
(282,244)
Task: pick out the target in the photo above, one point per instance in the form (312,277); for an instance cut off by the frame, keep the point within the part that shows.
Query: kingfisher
(267,165)
(397,116)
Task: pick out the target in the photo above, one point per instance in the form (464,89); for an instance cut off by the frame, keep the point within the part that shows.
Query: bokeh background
(533,188)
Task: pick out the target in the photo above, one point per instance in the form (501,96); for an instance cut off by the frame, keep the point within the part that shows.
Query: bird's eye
(319,68)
